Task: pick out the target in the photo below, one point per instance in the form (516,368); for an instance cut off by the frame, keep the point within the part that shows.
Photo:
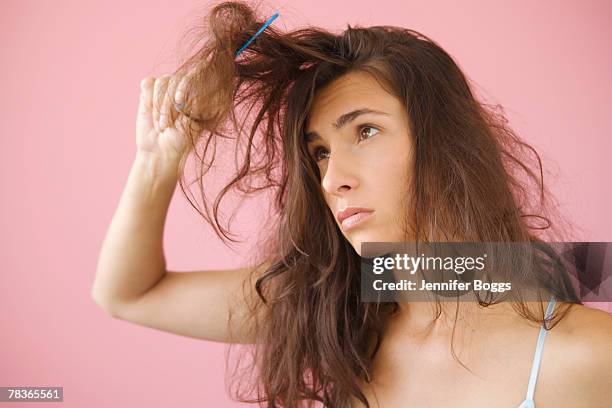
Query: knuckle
(145,82)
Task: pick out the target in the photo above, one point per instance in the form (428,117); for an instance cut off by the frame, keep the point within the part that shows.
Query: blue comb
(256,34)
(181,105)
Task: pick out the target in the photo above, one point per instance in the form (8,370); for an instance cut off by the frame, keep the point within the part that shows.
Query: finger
(182,124)
(158,90)
(179,95)
(146,96)
(172,111)
(154,110)
(165,118)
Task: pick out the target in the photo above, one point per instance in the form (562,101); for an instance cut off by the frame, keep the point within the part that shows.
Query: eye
(320,150)
(362,127)
(316,152)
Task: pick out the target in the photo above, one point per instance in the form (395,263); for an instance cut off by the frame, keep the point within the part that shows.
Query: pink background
(70,76)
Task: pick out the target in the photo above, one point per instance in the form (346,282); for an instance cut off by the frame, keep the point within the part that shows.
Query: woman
(383,120)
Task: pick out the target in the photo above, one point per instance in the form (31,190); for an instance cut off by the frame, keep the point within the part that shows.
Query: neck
(418,318)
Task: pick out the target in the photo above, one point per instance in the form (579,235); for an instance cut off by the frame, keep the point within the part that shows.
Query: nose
(340,175)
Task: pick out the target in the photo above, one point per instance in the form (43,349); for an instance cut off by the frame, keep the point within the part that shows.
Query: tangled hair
(473,178)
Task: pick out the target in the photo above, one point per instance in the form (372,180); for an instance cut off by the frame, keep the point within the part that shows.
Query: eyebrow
(343,120)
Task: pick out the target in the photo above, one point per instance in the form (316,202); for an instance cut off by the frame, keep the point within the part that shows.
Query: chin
(357,238)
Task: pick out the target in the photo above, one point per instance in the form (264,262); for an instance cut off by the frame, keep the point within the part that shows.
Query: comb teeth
(257,33)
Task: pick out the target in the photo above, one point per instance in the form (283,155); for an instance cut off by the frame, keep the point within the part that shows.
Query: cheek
(329,203)
(388,187)
(389,175)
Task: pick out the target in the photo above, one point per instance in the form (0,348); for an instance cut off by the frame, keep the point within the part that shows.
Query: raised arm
(131,281)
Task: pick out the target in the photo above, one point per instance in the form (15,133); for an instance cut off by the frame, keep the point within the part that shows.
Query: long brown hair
(473,177)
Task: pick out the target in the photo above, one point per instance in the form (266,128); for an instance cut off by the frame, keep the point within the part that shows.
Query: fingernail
(178,97)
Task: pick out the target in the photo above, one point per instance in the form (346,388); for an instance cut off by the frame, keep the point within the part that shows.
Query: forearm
(132,259)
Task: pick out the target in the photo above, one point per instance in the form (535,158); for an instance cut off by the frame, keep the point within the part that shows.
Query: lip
(350,217)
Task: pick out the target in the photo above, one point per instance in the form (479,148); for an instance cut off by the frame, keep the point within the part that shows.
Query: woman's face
(363,157)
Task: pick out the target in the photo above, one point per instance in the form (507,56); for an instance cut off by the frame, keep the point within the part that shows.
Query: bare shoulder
(584,326)
(582,341)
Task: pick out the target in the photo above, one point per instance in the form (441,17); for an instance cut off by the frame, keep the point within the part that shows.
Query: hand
(160,127)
